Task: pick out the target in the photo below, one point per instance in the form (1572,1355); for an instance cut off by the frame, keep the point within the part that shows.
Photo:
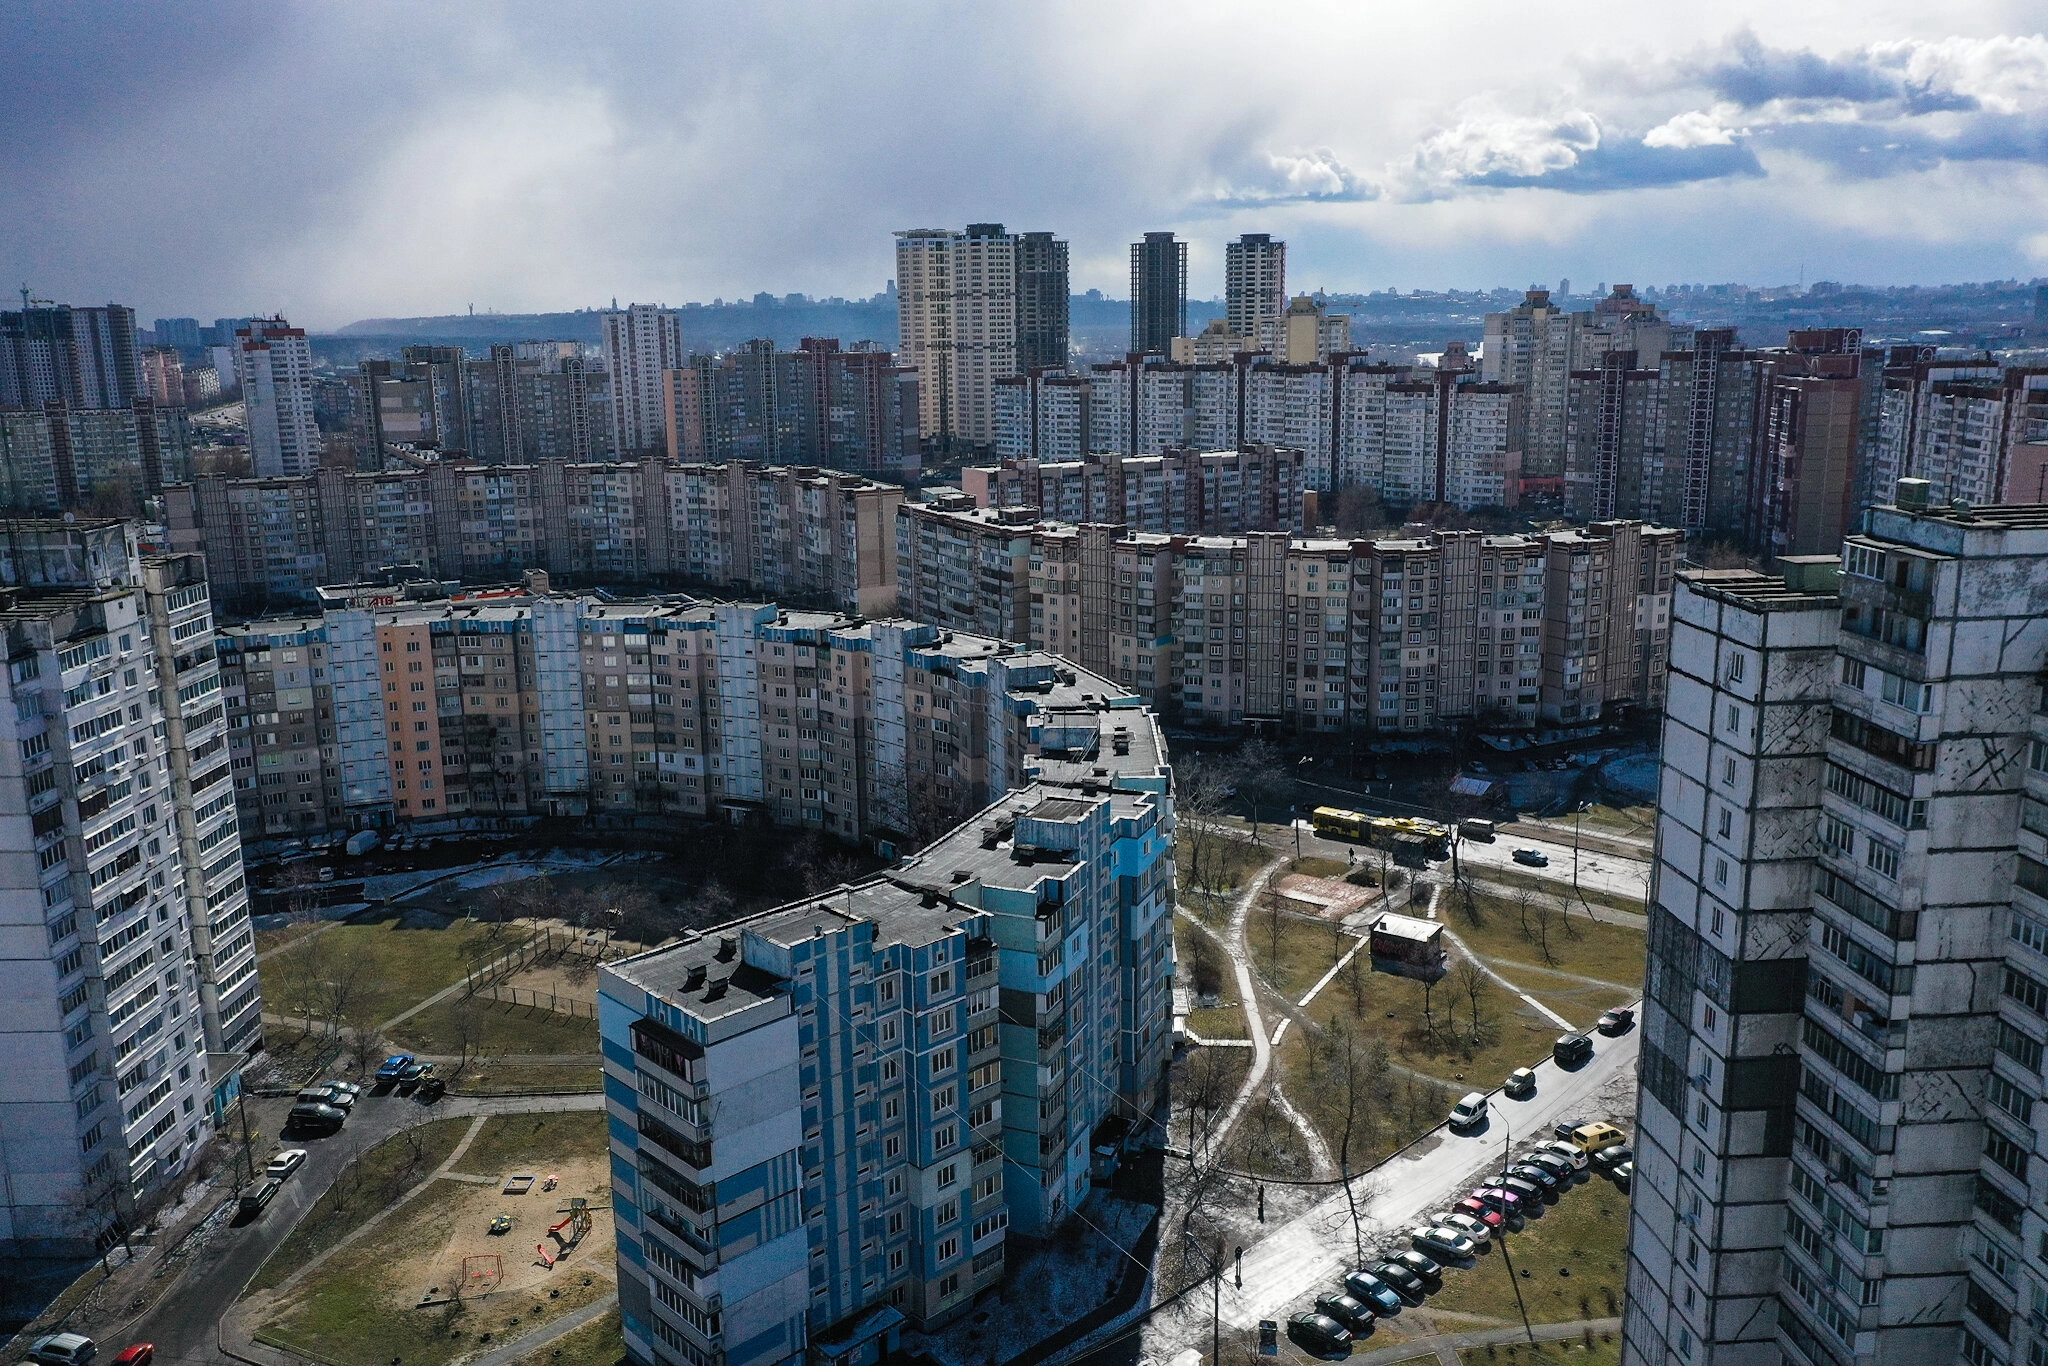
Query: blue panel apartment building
(827,1117)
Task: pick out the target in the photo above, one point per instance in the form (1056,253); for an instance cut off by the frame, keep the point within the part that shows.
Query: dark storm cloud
(1752,74)
(1628,164)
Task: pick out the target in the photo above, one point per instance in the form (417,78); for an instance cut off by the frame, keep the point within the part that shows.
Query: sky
(335,162)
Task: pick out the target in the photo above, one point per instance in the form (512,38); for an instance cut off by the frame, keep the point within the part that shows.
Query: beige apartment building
(487,708)
(788,531)
(1387,635)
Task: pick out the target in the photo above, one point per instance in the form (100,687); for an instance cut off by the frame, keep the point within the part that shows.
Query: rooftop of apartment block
(1807,583)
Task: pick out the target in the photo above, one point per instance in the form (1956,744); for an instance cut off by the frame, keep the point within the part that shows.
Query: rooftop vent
(728,945)
(929,900)
(1912,494)
(716,991)
(695,978)
(961,875)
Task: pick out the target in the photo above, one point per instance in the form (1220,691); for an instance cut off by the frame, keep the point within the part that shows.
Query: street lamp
(1578,811)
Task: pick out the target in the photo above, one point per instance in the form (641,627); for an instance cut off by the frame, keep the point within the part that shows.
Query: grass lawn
(495,1027)
(487,1076)
(393,967)
(1219,1022)
(348,1312)
(1579,1002)
(513,1143)
(1306,950)
(1233,863)
(1389,1008)
(1265,1142)
(360,1191)
(1600,900)
(1587,948)
(1573,1352)
(597,1343)
(1569,1264)
(1312,866)
(266,940)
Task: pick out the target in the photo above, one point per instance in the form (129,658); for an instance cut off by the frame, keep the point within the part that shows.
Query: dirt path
(1248,993)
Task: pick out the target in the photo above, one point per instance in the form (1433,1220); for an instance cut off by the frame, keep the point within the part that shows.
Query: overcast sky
(352,160)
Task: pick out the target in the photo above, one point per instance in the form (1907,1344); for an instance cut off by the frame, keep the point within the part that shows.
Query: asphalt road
(1309,1254)
(184,1321)
(1604,873)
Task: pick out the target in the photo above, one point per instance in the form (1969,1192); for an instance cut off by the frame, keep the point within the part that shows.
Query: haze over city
(334,163)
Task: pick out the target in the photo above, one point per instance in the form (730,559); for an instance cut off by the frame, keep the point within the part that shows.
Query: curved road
(184,1322)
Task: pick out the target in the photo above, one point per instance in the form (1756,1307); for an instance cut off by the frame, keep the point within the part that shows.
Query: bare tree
(1344,1085)
(1273,908)
(1471,979)
(1544,912)
(465,1024)
(1525,901)
(1262,778)
(1564,915)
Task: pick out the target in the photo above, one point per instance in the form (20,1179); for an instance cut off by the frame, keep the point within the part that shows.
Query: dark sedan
(1405,1283)
(1348,1310)
(1320,1334)
(1374,1291)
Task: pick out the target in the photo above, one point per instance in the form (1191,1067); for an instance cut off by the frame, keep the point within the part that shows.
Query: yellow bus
(1383,832)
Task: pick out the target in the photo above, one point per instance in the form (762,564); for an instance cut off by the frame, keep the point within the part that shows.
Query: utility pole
(1507,1137)
(1216,1312)
(248,1144)
(1578,811)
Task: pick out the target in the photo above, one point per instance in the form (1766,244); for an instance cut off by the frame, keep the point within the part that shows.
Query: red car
(141,1354)
(1482,1211)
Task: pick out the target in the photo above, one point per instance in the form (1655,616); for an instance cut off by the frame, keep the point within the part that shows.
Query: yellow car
(1593,1137)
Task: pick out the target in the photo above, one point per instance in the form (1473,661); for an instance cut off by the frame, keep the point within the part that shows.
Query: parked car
(257,1198)
(1531,1192)
(1595,1136)
(430,1090)
(1319,1333)
(1572,1050)
(1508,1202)
(388,1070)
(1535,858)
(285,1163)
(136,1354)
(1425,1267)
(1560,1168)
(1374,1292)
(1520,1085)
(1485,1211)
(1405,1283)
(1617,1020)
(64,1349)
(1542,1178)
(346,1093)
(1348,1310)
(1470,1111)
(409,1075)
(1478,1230)
(1624,1174)
(1445,1241)
(1611,1156)
(314,1118)
(1565,1151)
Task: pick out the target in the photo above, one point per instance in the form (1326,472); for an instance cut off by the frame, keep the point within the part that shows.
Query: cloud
(1693,128)
(2003,74)
(1292,178)
(1571,152)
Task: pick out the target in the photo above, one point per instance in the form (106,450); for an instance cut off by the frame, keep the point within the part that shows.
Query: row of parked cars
(324,1107)
(1454,1237)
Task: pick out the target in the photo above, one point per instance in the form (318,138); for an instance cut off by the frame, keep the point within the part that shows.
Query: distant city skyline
(506,160)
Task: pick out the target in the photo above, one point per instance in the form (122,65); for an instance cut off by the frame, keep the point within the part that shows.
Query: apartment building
(1159,293)
(274,371)
(58,458)
(1393,634)
(1842,1049)
(535,402)
(1254,286)
(828,1116)
(484,707)
(641,344)
(957,316)
(793,531)
(1043,301)
(1973,429)
(77,357)
(1258,488)
(817,405)
(130,966)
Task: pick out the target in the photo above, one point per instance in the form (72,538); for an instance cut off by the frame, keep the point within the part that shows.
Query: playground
(514,1232)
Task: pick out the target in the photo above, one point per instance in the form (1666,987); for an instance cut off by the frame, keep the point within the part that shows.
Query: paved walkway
(1446,1346)
(561,1327)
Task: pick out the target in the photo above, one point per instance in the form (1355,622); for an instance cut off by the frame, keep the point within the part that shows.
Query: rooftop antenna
(24,296)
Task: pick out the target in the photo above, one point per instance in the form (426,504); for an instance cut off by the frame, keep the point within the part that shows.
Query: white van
(1470,1111)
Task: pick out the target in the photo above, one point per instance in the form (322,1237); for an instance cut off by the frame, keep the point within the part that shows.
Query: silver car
(1460,1222)
(1444,1242)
